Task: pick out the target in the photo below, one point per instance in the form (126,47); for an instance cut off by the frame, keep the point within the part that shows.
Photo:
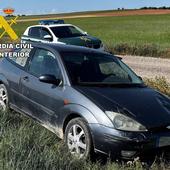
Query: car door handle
(26,78)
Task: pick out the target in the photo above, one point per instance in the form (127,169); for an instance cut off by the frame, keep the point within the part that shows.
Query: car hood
(145,105)
(81,41)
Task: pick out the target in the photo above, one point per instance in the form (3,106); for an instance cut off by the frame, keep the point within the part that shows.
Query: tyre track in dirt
(149,67)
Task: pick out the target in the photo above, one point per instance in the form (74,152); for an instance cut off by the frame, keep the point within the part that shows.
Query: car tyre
(78,139)
(3,98)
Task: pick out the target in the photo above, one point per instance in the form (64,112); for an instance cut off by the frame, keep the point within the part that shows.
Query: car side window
(44,62)
(45,31)
(21,60)
(35,32)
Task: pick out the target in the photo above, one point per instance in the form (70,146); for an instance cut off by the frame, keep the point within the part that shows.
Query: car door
(14,69)
(41,100)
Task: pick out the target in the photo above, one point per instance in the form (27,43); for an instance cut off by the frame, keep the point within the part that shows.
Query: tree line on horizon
(163,7)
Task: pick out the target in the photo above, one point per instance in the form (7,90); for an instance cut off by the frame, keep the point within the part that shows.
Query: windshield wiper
(99,84)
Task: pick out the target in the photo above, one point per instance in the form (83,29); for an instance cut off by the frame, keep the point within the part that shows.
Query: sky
(64,6)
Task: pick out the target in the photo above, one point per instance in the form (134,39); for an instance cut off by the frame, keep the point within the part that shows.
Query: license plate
(164,141)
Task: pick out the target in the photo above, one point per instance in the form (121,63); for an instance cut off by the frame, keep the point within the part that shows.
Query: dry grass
(160,84)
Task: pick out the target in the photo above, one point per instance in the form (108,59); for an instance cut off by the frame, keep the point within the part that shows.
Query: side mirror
(48,37)
(50,79)
(140,78)
(120,58)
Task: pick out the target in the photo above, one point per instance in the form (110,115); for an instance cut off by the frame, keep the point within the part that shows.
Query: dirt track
(104,14)
(149,67)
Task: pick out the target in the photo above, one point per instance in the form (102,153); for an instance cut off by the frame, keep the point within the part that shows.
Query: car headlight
(122,122)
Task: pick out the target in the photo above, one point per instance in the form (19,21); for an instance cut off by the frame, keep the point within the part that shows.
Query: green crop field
(139,35)
(129,29)
(153,29)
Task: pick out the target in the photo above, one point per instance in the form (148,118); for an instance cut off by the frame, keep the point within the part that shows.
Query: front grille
(159,129)
(95,46)
(89,45)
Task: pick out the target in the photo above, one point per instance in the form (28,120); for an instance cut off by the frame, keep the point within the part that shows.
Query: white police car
(56,31)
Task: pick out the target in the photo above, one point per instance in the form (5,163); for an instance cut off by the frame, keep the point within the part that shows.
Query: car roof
(67,48)
(52,25)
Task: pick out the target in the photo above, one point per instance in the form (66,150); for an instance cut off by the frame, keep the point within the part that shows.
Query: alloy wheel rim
(76,141)
(3,99)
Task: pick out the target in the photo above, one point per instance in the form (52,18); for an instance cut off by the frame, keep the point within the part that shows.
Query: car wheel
(78,138)
(3,98)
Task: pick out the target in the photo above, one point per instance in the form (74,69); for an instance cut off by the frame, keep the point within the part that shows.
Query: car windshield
(66,31)
(98,69)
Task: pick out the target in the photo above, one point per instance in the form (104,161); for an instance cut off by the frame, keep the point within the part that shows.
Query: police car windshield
(66,31)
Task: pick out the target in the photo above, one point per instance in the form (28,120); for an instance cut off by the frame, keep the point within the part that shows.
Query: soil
(149,67)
